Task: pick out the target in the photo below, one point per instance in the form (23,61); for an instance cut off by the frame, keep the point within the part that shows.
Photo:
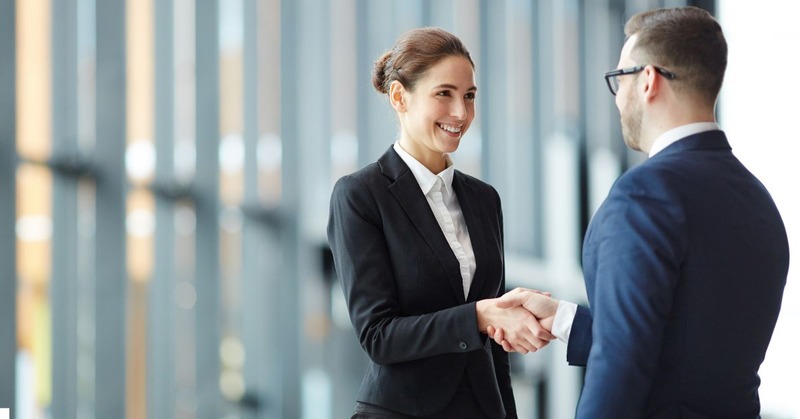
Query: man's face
(628,99)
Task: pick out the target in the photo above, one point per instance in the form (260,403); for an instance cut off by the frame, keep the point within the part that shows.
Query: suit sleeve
(580,338)
(502,368)
(635,254)
(363,264)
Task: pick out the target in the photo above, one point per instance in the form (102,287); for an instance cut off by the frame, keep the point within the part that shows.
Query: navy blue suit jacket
(685,265)
(403,288)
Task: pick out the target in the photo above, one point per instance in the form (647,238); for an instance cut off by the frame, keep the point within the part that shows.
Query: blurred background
(166,166)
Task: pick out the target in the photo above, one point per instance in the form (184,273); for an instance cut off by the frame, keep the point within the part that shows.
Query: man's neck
(666,119)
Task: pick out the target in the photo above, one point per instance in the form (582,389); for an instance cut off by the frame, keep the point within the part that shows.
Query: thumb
(513,298)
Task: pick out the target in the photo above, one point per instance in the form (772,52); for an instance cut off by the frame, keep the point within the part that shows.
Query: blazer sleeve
(580,337)
(634,259)
(363,265)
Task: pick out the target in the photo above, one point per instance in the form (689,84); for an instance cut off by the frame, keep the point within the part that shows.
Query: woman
(418,247)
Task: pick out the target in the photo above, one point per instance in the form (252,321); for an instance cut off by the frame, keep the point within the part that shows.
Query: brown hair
(687,41)
(413,54)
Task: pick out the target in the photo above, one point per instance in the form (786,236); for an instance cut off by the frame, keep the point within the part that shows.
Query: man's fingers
(538,331)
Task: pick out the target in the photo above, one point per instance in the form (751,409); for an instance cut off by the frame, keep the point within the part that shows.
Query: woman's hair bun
(379,71)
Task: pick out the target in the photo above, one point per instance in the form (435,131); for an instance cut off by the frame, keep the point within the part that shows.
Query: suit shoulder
(363,178)
(649,175)
(357,194)
(478,184)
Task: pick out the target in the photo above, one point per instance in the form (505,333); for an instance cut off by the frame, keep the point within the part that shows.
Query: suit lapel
(471,209)
(409,195)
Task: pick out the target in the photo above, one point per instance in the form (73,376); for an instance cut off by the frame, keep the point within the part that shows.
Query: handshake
(521,320)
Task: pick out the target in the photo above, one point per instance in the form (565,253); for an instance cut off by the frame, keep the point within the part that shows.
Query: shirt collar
(425,178)
(667,138)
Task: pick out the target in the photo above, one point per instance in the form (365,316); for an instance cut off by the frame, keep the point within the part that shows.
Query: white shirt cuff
(562,324)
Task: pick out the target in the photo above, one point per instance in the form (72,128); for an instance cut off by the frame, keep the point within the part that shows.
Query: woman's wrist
(482,312)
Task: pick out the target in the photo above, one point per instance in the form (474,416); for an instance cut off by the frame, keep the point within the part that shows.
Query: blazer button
(462,345)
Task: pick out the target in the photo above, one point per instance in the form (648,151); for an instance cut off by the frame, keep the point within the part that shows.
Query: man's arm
(580,337)
(632,259)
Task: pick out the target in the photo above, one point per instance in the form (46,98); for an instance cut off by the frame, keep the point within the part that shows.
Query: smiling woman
(442,100)
(418,249)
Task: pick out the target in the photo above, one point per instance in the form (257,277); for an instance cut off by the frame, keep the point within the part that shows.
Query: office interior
(166,169)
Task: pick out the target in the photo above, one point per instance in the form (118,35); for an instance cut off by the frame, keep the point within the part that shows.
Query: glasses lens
(614,82)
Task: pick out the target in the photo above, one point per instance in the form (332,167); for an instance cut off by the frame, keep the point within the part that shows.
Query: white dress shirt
(565,314)
(438,190)
(667,138)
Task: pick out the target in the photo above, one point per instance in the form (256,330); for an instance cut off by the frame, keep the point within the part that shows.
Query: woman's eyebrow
(453,87)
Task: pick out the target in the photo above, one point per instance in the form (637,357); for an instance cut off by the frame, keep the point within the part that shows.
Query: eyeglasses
(612,77)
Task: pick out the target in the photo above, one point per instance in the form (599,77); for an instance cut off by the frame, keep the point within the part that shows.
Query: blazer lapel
(408,194)
(471,209)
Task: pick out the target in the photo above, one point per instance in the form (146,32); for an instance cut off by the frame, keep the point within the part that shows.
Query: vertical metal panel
(492,100)
(112,277)
(519,150)
(537,155)
(161,312)
(250,86)
(344,144)
(441,13)
(260,302)
(314,133)
(363,87)
(8,259)
(377,125)
(310,174)
(207,208)
(602,41)
(546,68)
(408,14)
(260,297)
(565,278)
(290,200)
(63,282)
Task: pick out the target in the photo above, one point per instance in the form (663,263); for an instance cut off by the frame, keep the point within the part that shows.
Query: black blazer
(403,289)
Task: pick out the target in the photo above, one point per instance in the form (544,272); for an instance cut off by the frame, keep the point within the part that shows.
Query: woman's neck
(435,162)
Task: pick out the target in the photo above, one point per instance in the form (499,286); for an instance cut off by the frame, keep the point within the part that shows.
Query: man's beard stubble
(631,120)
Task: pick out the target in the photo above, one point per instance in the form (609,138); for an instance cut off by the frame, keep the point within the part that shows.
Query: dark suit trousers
(462,406)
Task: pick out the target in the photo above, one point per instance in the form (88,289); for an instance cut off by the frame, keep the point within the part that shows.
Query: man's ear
(652,83)
(397,96)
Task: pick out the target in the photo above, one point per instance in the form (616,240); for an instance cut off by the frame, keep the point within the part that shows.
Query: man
(686,260)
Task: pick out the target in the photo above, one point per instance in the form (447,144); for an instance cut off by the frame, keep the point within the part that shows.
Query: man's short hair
(687,41)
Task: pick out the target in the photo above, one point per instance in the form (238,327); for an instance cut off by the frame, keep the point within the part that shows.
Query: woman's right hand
(539,303)
(521,330)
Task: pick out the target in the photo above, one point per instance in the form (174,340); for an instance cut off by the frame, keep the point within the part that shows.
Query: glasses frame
(613,74)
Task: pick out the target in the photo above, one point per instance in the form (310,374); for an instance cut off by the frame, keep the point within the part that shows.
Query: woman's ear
(397,96)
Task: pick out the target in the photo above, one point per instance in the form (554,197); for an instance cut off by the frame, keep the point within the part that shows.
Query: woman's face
(435,116)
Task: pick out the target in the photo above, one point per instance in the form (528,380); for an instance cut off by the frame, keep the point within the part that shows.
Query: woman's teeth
(449,128)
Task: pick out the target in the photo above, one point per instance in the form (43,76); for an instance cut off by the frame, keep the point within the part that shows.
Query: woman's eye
(470,96)
(443,93)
